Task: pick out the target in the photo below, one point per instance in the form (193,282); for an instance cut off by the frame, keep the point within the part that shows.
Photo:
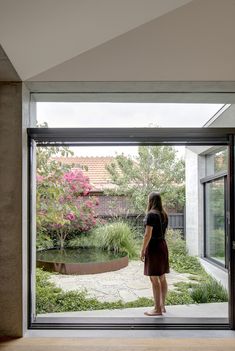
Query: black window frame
(139,136)
(205,181)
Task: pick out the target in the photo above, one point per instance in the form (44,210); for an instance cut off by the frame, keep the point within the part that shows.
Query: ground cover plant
(202,288)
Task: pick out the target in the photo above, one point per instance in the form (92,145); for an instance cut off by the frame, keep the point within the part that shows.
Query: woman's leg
(163,283)
(157,295)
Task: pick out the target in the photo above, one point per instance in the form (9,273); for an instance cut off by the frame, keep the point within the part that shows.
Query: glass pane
(215,220)
(124,115)
(216,162)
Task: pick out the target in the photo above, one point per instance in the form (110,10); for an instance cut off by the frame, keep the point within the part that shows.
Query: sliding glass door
(215,224)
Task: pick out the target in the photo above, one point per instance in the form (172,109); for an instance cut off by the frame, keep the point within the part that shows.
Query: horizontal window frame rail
(131,136)
(212,177)
(215,263)
(131,326)
(125,323)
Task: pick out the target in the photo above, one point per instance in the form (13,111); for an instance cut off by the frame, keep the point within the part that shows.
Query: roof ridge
(73,157)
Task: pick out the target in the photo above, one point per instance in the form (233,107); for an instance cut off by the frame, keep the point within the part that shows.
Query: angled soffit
(38,35)
(7,71)
(191,43)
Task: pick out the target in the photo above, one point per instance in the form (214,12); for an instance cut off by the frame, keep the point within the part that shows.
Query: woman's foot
(163,309)
(153,313)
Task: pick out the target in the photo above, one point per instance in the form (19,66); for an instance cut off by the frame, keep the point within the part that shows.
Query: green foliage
(178,298)
(51,299)
(43,241)
(116,237)
(179,259)
(175,243)
(156,168)
(209,291)
(204,289)
(82,240)
(46,293)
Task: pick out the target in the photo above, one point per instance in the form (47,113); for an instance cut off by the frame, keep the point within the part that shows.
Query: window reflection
(217,162)
(215,220)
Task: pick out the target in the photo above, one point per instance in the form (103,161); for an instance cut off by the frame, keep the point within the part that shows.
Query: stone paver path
(127,284)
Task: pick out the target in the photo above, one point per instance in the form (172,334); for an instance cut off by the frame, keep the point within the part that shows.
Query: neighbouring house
(95,168)
(111,205)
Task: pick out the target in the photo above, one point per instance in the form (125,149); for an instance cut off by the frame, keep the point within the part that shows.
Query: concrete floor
(212,310)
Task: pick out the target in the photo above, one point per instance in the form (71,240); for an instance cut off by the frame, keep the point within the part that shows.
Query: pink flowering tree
(64,207)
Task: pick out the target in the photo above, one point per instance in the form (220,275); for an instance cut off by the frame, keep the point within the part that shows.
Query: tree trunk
(61,243)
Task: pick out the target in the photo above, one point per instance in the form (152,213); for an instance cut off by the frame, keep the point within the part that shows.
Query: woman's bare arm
(147,237)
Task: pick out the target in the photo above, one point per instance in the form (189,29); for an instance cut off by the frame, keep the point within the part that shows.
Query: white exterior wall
(194,171)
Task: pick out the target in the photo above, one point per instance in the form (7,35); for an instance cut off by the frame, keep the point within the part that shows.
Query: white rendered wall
(194,170)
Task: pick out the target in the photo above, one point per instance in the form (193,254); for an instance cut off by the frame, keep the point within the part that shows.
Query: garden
(69,231)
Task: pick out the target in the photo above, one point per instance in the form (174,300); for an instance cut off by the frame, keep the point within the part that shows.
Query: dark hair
(155,203)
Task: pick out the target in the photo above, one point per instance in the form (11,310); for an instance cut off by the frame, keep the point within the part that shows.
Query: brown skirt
(156,261)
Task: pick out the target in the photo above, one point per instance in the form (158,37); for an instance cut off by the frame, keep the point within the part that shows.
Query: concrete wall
(11,209)
(195,169)
(14,119)
(193,205)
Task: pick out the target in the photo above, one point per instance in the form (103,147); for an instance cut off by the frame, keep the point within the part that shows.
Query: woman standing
(154,252)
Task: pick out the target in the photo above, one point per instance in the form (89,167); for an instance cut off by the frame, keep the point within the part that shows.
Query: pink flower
(70,217)
(39,178)
(89,204)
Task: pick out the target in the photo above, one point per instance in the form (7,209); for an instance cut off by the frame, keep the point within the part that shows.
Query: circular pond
(80,261)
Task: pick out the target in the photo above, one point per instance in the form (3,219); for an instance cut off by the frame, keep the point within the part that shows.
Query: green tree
(156,168)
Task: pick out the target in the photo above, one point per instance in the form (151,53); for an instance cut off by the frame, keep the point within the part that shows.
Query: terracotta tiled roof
(94,168)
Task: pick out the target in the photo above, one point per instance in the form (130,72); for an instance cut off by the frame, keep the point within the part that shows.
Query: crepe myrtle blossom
(78,182)
(39,178)
(63,207)
(71,217)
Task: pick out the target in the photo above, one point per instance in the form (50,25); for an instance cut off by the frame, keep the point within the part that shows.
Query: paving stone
(127,284)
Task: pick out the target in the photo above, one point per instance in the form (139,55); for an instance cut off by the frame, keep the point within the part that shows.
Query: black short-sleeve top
(155,220)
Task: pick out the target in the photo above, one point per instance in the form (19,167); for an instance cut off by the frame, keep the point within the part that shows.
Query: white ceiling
(40,34)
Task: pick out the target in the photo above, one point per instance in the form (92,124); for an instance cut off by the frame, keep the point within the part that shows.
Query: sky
(80,115)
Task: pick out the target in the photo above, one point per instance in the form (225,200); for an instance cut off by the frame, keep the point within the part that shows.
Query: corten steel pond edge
(84,268)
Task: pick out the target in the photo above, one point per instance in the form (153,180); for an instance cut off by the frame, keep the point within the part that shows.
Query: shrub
(175,242)
(117,237)
(82,240)
(178,298)
(43,241)
(46,293)
(178,255)
(208,292)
